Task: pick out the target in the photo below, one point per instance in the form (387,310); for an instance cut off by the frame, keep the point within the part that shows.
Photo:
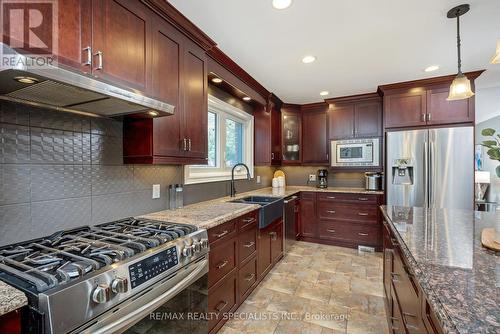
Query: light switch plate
(156,191)
(258,179)
(312,177)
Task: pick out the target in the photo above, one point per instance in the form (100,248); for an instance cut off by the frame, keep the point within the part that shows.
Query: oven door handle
(133,317)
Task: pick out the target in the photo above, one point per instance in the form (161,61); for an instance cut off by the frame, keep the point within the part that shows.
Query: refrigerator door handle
(426,174)
(431,174)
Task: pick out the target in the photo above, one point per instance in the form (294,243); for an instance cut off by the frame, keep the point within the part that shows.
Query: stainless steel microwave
(363,152)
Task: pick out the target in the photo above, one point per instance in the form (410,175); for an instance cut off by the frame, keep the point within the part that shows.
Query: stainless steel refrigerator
(431,168)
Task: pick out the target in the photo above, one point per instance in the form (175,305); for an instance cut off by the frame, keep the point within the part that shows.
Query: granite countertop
(460,278)
(10,299)
(211,213)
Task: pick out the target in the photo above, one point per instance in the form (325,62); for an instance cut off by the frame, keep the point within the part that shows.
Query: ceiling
(359,44)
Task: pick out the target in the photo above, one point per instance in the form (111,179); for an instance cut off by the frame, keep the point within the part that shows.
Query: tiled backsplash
(60,170)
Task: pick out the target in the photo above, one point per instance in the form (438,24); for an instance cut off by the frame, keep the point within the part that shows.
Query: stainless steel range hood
(65,90)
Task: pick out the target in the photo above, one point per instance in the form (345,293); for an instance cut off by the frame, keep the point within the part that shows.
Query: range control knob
(187,251)
(101,294)
(119,285)
(197,246)
(204,243)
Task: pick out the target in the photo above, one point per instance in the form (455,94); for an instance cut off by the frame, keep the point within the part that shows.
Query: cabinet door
(195,101)
(262,119)
(308,217)
(275,136)
(341,121)
(277,241)
(440,111)
(291,136)
(368,119)
(121,33)
(166,56)
(264,260)
(314,137)
(405,109)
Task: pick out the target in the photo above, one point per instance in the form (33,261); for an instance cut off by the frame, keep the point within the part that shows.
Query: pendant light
(460,87)
(496,57)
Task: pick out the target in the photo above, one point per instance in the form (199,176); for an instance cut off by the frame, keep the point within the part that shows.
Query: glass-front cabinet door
(291,134)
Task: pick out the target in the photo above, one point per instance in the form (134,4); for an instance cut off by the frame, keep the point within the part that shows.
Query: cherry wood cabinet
(423,103)
(314,135)
(308,214)
(276,149)
(356,116)
(291,134)
(262,136)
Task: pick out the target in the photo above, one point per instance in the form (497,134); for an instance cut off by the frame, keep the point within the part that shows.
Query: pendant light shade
(460,87)
(496,57)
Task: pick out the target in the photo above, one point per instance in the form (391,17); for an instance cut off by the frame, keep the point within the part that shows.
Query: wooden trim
(220,57)
(178,20)
(354,98)
(317,106)
(447,79)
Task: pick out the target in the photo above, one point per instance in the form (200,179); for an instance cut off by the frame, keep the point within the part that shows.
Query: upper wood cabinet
(314,134)
(355,116)
(262,137)
(181,81)
(423,102)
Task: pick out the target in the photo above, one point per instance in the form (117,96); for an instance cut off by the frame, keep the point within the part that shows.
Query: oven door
(177,304)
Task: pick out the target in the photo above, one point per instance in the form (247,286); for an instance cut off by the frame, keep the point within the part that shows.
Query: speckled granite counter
(209,214)
(459,277)
(10,299)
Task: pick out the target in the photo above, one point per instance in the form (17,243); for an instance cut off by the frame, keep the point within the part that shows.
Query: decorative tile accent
(14,113)
(60,147)
(15,223)
(52,216)
(106,127)
(112,179)
(60,181)
(106,208)
(107,150)
(14,184)
(43,118)
(14,143)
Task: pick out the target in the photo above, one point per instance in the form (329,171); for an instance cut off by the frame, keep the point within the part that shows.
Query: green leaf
(488,132)
(494,153)
(498,171)
(490,143)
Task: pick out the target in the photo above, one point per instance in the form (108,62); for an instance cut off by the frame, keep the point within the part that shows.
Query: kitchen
(162,173)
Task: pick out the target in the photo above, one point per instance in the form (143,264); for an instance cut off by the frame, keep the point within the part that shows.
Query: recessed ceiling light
(324,93)
(281,4)
(153,113)
(246,98)
(216,80)
(308,59)
(26,80)
(431,68)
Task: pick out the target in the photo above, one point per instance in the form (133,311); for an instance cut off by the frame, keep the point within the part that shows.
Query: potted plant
(493,146)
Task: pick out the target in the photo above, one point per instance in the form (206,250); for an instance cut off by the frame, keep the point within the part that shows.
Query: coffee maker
(322,178)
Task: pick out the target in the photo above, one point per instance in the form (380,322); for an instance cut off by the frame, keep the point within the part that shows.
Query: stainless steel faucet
(233,189)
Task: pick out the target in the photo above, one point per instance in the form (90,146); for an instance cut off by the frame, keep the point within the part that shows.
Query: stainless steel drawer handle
(189,144)
(406,314)
(274,236)
(220,235)
(99,60)
(362,199)
(330,211)
(249,277)
(223,264)
(395,278)
(248,245)
(331,231)
(222,305)
(362,214)
(394,242)
(249,220)
(330,197)
(363,234)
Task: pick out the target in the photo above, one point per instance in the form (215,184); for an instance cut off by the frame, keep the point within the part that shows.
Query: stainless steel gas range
(132,275)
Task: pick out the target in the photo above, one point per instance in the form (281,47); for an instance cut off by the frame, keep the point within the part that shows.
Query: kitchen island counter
(11,299)
(459,278)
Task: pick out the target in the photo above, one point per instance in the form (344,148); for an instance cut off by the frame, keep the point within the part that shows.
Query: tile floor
(316,289)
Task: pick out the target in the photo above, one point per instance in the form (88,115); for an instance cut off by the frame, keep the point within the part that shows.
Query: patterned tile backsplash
(59,171)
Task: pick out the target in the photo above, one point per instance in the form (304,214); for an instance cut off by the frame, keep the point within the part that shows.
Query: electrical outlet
(156,191)
(312,177)
(258,179)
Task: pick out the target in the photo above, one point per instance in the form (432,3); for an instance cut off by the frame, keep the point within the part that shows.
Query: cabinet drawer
(222,260)
(247,276)
(342,211)
(348,198)
(249,220)
(222,232)
(247,243)
(308,195)
(351,232)
(221,298)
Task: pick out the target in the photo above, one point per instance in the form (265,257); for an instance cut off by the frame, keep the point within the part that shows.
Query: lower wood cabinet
(240,256)
(407,308)
(342,219)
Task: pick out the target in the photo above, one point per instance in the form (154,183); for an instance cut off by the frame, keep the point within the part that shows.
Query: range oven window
(353,152)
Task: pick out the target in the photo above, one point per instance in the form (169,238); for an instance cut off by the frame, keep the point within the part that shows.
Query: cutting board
(488,239)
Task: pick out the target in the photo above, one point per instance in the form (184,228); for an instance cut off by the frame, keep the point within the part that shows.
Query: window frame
(194,174)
